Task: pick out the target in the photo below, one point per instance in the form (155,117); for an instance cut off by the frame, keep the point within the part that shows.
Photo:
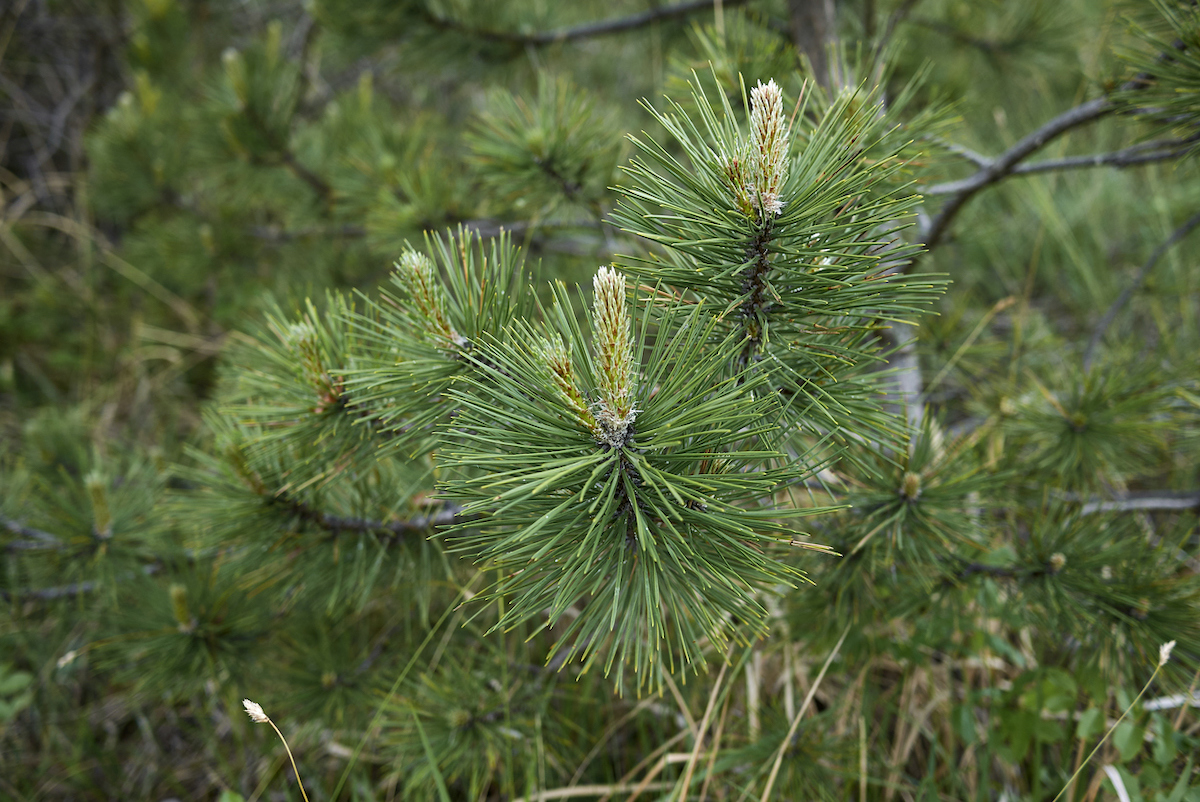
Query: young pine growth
(614,358)
(636,514)
(757,175)
(627,476)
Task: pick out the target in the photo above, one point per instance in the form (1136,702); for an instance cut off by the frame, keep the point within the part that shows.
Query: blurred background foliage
(188,188)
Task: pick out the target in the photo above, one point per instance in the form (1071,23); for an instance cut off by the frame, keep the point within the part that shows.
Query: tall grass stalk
(255,711)
(1164,654)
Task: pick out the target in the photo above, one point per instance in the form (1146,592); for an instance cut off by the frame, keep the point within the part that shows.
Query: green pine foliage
(712,435)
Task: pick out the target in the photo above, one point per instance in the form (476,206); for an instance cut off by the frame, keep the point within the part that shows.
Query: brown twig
(398,529)
(73,589)
(1004,165)
(44,540)
(1144,153)
(586,31)
(1129,157)
(1157,500)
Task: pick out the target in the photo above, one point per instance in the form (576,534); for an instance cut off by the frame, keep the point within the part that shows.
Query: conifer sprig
(1168,70)
(420,336)
(648,543)
(289,395)
(812,281)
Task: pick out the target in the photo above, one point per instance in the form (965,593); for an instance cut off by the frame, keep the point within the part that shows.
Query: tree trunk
(813,31)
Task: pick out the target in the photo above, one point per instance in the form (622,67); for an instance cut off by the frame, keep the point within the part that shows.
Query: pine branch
(990,47)
(397,530)
(288,158)
(73,589)
(36,538)
(1117,305)
(1151,500)
(586,31)
(1005,164)
(759,258)
(1145,153)
(1128,157)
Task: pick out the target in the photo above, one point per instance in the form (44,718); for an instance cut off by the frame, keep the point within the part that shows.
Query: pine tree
(748,454)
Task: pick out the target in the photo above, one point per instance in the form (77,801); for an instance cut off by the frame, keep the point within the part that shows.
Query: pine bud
(179,608)
(302,338)
(614,356)
(768,146)
(1142,610)
(420,280)
(911,487)
(101,515)
(562,372)
(1057,561)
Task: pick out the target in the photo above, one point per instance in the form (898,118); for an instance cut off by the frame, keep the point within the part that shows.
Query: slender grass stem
(257,715)
(1164,654)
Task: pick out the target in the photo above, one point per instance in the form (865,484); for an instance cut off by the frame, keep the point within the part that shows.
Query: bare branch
(1120,158)
(277,234)
(73,589)
(978,159)
(47,594)
(35,538)
(397,529)
(589,30)
(1147,152)
(1004,164)
(1117,305)
(628,23)
(1008,162)
(1154,500)
(306,175)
